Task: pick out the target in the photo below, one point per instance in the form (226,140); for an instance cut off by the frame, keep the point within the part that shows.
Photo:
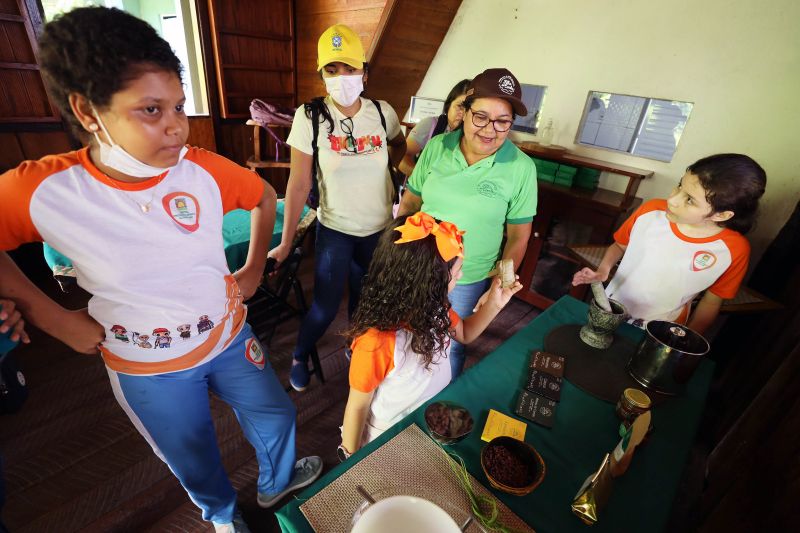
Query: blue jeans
(340,258)
(172,413)
(463,299)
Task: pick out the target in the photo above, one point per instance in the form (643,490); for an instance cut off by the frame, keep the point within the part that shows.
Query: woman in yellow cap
(341,148)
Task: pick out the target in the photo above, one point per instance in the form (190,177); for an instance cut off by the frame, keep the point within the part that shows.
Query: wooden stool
(257,160)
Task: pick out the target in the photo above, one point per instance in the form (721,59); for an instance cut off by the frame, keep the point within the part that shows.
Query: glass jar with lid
(631,404)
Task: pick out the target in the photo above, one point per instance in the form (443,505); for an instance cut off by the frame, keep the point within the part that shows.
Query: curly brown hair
(406,288)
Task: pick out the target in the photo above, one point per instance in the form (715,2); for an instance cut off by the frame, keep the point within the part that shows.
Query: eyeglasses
(500,125)
(347,128)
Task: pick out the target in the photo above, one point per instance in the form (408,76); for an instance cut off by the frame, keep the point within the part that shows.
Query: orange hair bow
(420,225)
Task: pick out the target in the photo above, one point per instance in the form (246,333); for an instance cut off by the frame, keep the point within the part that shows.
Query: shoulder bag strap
(313,197)
(398,180)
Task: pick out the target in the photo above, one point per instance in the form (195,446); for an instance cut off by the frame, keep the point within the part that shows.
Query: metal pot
(667,357)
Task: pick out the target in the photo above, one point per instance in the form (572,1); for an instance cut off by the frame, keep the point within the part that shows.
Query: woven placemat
(410,460)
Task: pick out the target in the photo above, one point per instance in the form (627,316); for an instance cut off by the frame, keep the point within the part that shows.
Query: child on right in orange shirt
(693,241)
(403,325)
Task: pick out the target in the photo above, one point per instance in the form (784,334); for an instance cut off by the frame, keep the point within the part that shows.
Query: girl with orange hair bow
(402,328)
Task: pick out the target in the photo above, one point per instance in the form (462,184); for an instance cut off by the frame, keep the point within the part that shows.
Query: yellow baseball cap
(340,43)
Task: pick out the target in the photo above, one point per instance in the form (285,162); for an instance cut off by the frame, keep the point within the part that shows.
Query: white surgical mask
(345,90)
(115,156)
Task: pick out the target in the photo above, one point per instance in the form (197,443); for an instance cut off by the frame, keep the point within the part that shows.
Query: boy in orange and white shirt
(674,249)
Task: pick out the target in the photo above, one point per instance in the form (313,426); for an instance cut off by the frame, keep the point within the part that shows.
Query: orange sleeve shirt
(151,253)
(663,270)
(375,356)
(236,184)
(17,187)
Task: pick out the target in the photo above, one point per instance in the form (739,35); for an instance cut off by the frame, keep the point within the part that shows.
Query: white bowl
(401,514)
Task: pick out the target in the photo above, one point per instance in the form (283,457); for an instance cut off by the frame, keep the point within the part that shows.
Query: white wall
(737,61)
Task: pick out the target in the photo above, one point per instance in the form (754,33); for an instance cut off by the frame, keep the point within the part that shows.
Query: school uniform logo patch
(183,209)
(254,353)
(703,260)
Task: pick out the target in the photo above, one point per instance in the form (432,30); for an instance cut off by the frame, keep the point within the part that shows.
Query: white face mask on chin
(115,156)
(345,90)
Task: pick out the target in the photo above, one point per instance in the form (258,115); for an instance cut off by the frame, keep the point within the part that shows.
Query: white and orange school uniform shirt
(663,270)
(159,281)
(383,361)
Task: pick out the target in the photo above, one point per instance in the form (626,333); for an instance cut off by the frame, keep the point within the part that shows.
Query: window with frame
(640,126)
(533,97)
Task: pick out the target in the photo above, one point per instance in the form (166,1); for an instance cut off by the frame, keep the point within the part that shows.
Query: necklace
(143,207)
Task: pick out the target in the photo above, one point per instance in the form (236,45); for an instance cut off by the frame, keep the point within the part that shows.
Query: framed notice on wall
(424,107)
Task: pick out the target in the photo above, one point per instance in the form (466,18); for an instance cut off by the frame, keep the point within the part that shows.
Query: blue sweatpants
(172,412)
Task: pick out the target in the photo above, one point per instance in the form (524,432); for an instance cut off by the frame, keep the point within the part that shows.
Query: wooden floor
(74,462)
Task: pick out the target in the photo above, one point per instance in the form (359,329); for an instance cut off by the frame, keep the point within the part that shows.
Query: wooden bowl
(522,453)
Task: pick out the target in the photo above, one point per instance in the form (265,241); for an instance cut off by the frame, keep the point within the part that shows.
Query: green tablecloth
(236,234)
(235,237)
(585,429)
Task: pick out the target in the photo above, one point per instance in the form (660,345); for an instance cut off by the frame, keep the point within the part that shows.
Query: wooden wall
(19,146)
(23,98)
(201,133)
(401,38)
(253,53)
(408,38)
(753,473)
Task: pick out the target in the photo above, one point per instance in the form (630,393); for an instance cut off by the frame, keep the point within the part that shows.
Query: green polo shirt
(480,199)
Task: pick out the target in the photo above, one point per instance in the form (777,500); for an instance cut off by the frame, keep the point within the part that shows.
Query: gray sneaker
(306,471)
(237,526)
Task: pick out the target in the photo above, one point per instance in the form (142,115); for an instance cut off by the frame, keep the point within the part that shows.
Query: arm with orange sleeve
(241,188)
(12,323)
(614,253)
(586,275)
(75,328)
(355,417)
(371,362)
(707,309)
(705,313)
(262,222)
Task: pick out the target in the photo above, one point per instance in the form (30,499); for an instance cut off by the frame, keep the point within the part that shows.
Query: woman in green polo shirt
(476,178)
